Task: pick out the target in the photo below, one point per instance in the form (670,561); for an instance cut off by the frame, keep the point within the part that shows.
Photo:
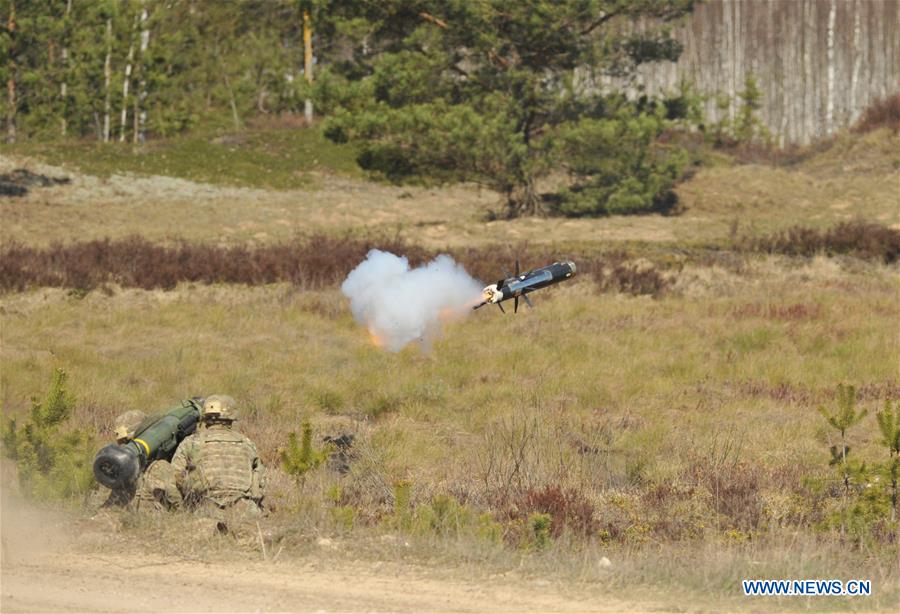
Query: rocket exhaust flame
(399,305)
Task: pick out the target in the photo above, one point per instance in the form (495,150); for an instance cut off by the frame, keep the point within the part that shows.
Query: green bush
(866,511)
(53,462)
(539,526)
(620,166)
(747,127)
(298,458)
(443,515)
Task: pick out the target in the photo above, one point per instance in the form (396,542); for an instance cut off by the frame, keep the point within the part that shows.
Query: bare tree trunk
(126,81)
(11,79)
(107,75)
(307,63)
(829,108)
(231,100)
(64,86)
(140,114)
(857,63)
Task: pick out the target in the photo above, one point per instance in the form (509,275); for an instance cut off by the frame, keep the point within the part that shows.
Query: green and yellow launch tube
(119,466)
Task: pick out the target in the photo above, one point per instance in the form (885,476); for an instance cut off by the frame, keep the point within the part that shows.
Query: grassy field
(678,436)
(637,404)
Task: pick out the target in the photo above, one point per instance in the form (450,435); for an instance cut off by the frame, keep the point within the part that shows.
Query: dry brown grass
(856,178)
(680,427)
(684,426)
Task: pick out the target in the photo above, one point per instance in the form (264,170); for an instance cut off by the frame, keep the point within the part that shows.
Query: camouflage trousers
(238,510)
(237,518)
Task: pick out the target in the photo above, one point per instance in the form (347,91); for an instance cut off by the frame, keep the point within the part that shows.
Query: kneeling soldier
(217,467)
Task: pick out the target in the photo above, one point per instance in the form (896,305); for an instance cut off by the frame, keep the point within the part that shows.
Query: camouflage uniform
(157,488)
(219,468)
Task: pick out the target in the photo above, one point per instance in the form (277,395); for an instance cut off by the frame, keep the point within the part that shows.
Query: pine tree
(298,458)
(889,425)
(52,460)
(478,89)
(844,417)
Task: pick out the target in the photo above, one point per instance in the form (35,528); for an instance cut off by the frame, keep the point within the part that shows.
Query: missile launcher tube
(119,466)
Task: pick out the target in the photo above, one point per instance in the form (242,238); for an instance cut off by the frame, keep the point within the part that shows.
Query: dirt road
(98,583)
(50,563)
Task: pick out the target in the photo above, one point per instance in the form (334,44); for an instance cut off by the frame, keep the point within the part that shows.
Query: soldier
(156,488)
(218,468)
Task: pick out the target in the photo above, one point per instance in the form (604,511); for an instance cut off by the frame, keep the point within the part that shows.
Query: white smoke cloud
(400,305)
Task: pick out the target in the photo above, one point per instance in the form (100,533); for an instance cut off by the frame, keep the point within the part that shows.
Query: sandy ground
(50,564)
(73,582)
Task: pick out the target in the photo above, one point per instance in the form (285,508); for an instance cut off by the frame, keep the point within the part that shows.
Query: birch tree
(307,64)
(126,80)
(107,77)
(140,114)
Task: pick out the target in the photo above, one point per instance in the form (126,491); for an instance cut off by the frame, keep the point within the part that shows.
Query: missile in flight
(521,284)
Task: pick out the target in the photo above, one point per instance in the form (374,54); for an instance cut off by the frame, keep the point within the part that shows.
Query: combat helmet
(219,407)
(127,423)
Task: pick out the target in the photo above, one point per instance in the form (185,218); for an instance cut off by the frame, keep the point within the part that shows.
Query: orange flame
(445,316)
(376,339)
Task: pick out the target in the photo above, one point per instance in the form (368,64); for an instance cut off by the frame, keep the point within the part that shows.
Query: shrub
(539,527)
(747,129)
(402,517)
(865,240)
(53,462)
(889,426)
(316,263)
(299,458)
(620,167)
(641,278)
(567,509)
(884,112)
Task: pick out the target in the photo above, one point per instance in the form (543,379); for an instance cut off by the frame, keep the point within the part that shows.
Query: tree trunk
(140,114)
(524,200)
(231,100)
(857,63)
(307,63)
(829,105)
(107,75)
(11,79)
(64,86)
(126,81)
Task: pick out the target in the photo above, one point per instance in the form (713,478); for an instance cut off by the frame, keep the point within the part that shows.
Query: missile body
(119,466)
(522,284)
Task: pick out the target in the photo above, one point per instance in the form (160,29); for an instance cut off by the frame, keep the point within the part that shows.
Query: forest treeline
(129,69)
(481,90)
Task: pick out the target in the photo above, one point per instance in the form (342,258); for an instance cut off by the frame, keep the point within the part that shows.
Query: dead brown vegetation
(865,240)
(321,261)
(883,113)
